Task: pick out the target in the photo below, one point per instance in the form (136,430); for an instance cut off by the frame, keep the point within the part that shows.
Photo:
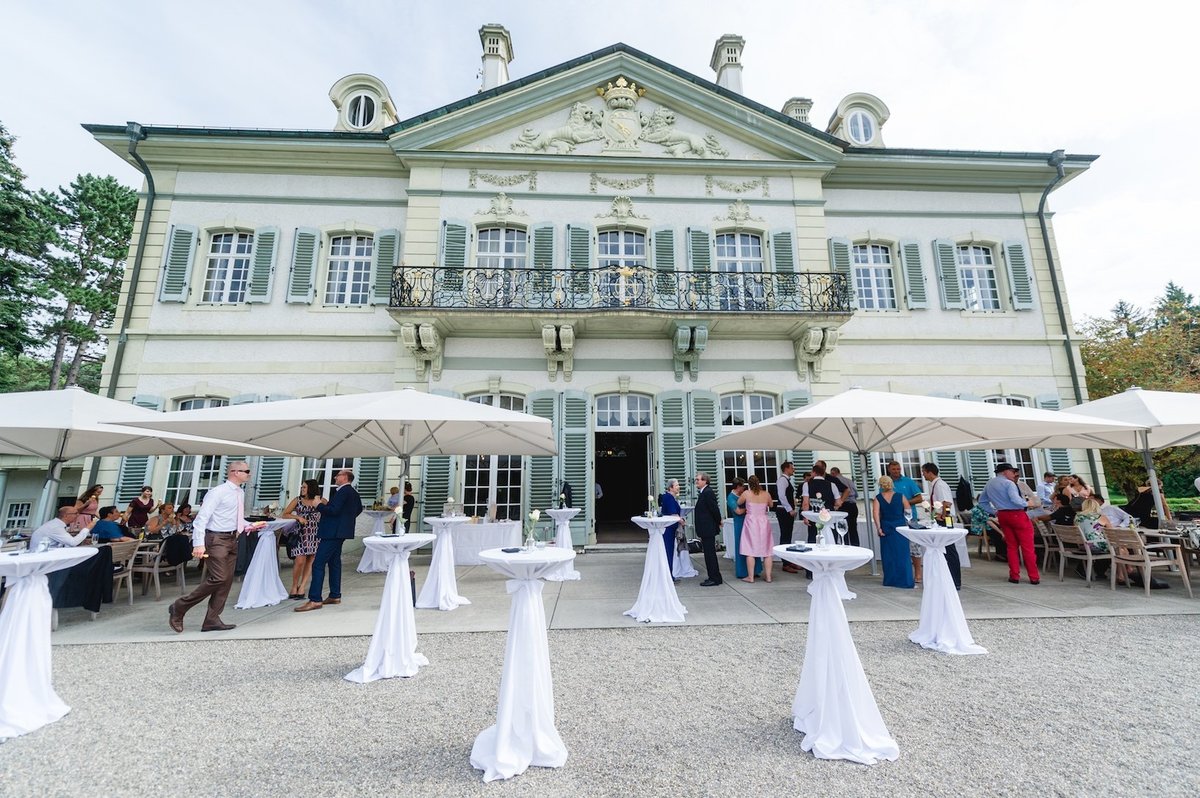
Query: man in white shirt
(785,509)
(215,532)
(55,531)
(938,494)
(1045,491)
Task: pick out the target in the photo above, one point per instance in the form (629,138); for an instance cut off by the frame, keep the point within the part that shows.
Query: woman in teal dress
(891,510)
(738,514)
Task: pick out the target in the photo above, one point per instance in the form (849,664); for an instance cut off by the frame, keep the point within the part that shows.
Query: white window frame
(323,471)
(979,277)
(622,252)
(348,269)
(227,267)
(357,109)
(873,268)
(479,498)
(501,260)
(17,515)
(741,266)
(190,476)
(866,121)
(743,410)
(634,412)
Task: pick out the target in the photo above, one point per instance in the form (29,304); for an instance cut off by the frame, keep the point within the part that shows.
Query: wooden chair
(122,560)
(1072,545)
(1049,542)
(1129,549)
(149,564)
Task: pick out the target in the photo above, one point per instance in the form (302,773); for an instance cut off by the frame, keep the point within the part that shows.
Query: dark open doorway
(623,474)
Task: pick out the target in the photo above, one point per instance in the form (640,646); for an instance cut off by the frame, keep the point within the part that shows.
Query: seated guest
(55,533)
(106,529)
(1060,512)
(184,514)
(161,522)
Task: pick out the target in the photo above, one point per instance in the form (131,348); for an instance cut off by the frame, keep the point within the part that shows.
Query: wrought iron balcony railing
(615,288)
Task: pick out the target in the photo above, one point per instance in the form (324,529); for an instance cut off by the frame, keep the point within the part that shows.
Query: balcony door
(741,271)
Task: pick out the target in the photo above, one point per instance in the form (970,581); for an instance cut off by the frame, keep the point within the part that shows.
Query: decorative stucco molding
(811,347)
(621,211)
(559,343)
(690,341)
(425,345)
(500,210)
(739,214)
(737,188)
(503,181)
(618,184)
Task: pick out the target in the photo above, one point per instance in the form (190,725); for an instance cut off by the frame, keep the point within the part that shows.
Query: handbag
(694,546)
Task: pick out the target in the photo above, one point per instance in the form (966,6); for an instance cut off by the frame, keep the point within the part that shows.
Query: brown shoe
(220,627)
(332,601)
(791,569)
(309,606)
(173,620)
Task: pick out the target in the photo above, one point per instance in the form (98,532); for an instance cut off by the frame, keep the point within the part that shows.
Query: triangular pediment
(617,102)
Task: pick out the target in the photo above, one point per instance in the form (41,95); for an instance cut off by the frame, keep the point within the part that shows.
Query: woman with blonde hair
(756,529)
(891,510)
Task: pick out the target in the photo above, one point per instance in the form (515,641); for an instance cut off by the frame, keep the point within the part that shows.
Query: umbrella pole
(1148,461)
(874,538)
(46,509)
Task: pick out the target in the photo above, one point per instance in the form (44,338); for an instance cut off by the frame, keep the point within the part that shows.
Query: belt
(215,532)
(1010,510)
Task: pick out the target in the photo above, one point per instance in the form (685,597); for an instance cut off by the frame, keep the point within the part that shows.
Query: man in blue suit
(335,527)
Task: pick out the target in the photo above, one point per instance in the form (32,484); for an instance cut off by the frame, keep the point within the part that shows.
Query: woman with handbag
(302,543)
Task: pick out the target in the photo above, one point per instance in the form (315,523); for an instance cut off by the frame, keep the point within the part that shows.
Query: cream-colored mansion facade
(646,257)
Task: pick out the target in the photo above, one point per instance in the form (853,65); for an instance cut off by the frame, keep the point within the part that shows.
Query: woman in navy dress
(891,510)
(668,502)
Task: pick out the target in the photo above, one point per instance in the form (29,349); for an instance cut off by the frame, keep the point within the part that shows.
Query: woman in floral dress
(305,511)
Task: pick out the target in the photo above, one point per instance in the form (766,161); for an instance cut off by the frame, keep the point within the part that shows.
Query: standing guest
(941,504)
(890,509)
(138,511)
(785,510)
(1141,507)
(847,502)
(708,525)
(668,503)
(1002,498)
(819,486)
(305,510)
(335,528)
(1046,490)
(738,514)
(907,487)
(88,506)
(55,533)
(215,531)
(106,529)
(410,502)
(756,531)
(393,504)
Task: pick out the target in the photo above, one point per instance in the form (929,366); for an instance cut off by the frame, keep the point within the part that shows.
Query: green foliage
(25,373)
(24,240)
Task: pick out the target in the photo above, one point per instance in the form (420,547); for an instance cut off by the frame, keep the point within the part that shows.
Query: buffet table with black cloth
(87,584)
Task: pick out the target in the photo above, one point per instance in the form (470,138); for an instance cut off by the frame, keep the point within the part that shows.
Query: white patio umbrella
(63,425)
(864,421)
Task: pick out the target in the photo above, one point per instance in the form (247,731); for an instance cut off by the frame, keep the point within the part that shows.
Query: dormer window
(861,127)
(360,111)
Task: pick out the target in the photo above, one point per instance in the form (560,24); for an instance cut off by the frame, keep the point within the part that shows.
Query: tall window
(1023,459)
(228,268)
(977,270)
(17,515)
(623,254)
(740,268)
(616,411)
(741,410)
(490,479)
(323,471)
(191,476)
(874,280)
(501,256)
(349,280)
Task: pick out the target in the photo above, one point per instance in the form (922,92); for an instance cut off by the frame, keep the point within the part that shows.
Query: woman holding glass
(305,510)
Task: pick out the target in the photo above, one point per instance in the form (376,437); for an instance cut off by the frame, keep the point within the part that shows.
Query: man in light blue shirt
(1045,491)
(1002,498)
(906,486)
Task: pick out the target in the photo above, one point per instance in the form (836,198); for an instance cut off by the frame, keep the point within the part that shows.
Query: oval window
(862,127)
(361,111)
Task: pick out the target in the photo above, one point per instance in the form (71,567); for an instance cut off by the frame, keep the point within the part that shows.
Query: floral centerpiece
(531,529)
(651,506)
(824,517)
(562,500)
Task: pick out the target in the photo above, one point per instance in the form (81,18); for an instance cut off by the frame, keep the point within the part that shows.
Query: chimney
(797,108)
(727,61)
(497,53)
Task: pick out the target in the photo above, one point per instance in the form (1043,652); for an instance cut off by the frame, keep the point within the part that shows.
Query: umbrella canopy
(394,423)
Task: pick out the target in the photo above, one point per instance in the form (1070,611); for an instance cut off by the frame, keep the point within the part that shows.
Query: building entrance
(623,478)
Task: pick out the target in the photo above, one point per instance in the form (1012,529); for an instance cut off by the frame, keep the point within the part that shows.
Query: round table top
(413,540)
(563,512)
(14,565)
(445,521)
(933,536)
(845,558)
(384,512)
(834,515)
(526,563)
(655,522)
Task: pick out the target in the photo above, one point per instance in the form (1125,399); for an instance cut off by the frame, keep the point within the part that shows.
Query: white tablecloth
(470,539)
(834,705)
(27,698)
(393,649)
(440,591)
(379,520)
(943,626)
(657,601)
(524,732)
(261,586)
(562,539)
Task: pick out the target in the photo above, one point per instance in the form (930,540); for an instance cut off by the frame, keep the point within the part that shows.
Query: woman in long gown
(756,529)
(891,510)
(668,503)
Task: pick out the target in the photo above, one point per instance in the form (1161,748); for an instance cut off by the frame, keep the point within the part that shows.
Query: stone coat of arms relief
(622,127)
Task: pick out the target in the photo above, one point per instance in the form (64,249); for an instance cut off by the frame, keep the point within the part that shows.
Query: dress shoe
(175,621)
(710,583)
(222,627)
(1014,581)
(332,601)
(295,595)
(1035,581)
(791,569)
(309,606)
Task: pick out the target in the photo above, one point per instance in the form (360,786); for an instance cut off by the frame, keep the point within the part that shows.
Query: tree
(24,237)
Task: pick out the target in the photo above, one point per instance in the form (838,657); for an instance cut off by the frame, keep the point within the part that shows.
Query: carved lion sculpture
(583,124)
(660,129)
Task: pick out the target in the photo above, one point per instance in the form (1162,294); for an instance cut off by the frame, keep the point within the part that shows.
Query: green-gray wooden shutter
(262,265)
(948,467)
(368,479)
(704,425)
(783,257)
(670,444)
(915,295)
(979,468)
(802,458)
(945,255)
(1020,281)
(872,476)
(700,259)
(543,259)
(177,264)
(452,258)
(302,278)
(576,444)
(387,258)
(1057,460)
(840,263)
(540,494)
(665,286)
(135,472)
(270,472)
(579,261)
(437,475)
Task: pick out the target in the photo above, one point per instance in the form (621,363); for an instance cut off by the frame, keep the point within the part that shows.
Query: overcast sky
(1003,75)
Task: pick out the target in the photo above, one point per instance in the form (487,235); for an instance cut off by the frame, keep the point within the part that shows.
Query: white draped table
(834,705)
(379,519)
(524,732)
(943,626)
(440,591)
(393,649)
(261,586)
(562,539)
(681,566)
(657,601)
(27,698)
(470,539)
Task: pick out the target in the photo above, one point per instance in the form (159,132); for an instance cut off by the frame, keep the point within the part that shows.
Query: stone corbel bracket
(811,347)
(425,345)
(690,341)
(559,343)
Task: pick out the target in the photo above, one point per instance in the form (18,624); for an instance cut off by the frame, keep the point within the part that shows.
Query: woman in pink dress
(756,530)
(88,505)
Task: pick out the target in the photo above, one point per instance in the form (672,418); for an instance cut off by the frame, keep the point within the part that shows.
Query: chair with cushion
(122,564)
(1129,549)
(150,563)
(1072,545)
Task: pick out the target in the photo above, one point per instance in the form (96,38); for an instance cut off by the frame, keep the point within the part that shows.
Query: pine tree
(24,238)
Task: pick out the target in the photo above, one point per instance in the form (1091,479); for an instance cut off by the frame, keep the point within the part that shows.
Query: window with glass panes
(623,252)
(501,255)
(977,273)
(616,411)
(323,471)
(349,278)
(874,280)
(494,479)
(740,268)
(1023,459)
(740,410)
(228,268)
(910,463)
(17,515)
(191,476)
